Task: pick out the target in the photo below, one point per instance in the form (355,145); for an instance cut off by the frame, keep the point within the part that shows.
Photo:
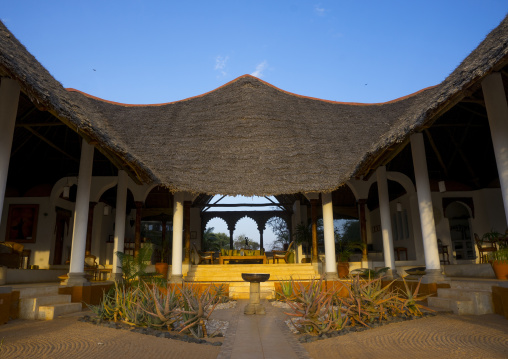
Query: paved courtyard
(443,336)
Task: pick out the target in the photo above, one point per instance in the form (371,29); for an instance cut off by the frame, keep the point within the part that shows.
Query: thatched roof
(247,137)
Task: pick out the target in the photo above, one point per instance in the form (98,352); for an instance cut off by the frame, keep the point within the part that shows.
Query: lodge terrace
(78,174)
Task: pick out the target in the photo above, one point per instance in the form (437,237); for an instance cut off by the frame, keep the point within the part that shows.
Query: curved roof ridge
(257,79)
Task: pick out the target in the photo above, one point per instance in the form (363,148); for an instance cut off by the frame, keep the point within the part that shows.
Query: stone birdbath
(254,306)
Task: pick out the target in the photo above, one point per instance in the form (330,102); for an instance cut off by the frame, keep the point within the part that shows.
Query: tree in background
(239,243)
(350,231)
(280,229)
(215,241)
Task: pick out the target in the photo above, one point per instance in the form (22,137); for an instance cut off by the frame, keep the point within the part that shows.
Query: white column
(9,97)
(432,262)
(121,205)
(386,221)
(76,274)
(329,233)
(497,112)
(176,265)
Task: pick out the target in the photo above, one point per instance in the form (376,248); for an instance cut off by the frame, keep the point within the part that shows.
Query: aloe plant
(197,308)
(409,302)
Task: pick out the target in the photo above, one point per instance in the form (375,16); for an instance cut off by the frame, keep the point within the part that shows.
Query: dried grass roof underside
(247,137)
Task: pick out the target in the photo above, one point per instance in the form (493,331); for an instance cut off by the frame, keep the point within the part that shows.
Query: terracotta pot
(162,268)
(343,269)
(500,269)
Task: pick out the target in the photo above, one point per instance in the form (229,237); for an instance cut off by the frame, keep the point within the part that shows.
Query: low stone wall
(19,276)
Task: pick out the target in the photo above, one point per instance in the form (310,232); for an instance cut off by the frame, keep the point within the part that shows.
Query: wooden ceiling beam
(436,151)
(40,124)
(50,143)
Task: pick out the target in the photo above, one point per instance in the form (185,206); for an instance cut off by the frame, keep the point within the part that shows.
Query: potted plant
(499,262)
(344,249)
(162,266)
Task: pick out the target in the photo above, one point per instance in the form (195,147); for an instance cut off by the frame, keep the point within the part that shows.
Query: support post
(89,228)
(261,238)
(497,111)
(432,262)
(313,214)
(330,262)
(137,231)
(76,274)
(9,98)
(386,223)
(363,230)
(121,207)
(176,264)
(231,238)
(186,216)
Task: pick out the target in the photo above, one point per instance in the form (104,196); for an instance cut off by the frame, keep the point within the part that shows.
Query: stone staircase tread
(49,312)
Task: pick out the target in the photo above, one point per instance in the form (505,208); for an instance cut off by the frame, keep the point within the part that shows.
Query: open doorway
(460,231)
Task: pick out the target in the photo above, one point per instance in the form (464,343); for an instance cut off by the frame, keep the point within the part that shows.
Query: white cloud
(319,10)
(220,64)
(259,69)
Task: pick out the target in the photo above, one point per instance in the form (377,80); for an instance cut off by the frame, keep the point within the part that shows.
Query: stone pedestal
(254,306)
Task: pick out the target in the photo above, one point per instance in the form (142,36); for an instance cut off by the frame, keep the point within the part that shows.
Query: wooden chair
(91,266)
(484,250)
(443,250)
(282,254)
(203,256)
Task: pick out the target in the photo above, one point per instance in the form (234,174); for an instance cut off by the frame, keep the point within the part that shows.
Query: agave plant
(409,303)
(196,309)
(164,306)
(367,300)
(311,305)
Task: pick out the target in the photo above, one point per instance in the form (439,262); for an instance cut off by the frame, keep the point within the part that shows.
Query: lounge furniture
(91,266)
(484,251)
(11,254)
(203,256)
(242,255)
(443,250)
(282,254)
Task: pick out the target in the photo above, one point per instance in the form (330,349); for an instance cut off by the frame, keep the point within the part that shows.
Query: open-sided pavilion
(428,166)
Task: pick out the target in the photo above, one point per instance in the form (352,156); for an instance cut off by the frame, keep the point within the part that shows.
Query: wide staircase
(465,297)
(238,288)
(44,302)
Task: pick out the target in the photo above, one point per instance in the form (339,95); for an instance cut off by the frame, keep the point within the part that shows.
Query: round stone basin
(255,277)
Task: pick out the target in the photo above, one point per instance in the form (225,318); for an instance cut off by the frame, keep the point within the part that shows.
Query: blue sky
(160,51)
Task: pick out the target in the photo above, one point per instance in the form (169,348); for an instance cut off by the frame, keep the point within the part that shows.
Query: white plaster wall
(45,236)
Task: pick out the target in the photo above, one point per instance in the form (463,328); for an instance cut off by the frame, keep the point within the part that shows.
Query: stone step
(463,301)
(29,307)
(241,290)
(484,285)
(460,307)
(50,312)
(38,291)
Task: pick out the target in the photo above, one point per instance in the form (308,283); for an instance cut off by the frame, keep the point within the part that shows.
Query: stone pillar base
(433,276)
(392,274)
(76,280)
(176,279)
(331,276)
